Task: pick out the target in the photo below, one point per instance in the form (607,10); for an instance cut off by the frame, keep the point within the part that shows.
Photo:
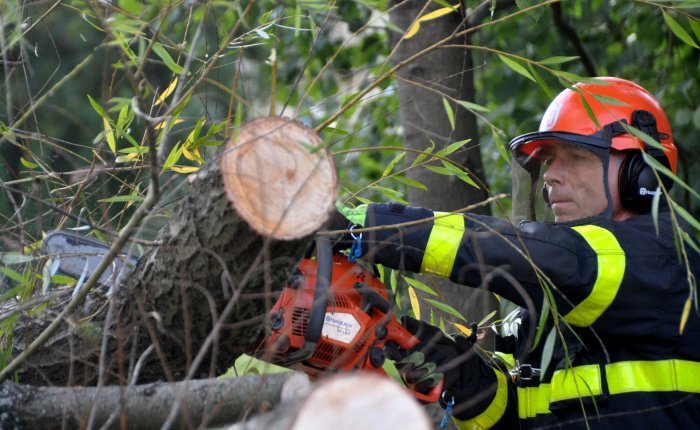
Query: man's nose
(555,172)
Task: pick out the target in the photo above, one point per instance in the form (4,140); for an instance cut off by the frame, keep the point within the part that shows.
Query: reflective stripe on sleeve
(623,377)
(493,413)
(443,244)
(611,269)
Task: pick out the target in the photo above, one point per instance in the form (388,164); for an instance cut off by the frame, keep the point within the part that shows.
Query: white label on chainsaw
(340,326)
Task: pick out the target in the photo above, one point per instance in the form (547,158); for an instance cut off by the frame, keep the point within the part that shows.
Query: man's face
(573,178)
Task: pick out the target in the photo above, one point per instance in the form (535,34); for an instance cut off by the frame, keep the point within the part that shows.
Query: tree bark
(203,402)
(199,297)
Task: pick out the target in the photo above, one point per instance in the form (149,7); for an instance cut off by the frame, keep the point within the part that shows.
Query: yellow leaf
(166,93)
(414,302)
(685,315)
(109,135)
(172,123)
(192,155)
(412,30)
(184,169)
(464,329)
(438,13)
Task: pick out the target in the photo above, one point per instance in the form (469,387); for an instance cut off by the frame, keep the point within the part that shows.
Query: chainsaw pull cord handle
(324,257)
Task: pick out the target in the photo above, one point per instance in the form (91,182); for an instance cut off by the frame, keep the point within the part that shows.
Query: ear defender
(638,184)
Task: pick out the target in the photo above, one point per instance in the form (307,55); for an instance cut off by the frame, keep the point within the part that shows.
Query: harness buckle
(525,372)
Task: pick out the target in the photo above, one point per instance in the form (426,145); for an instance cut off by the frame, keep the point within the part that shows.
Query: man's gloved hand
(438,357)
(344,218)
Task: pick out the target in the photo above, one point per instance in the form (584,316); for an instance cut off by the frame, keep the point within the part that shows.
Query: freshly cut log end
(360,401)
(279,177)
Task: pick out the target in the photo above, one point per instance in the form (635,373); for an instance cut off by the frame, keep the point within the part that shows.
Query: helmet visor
(560,177)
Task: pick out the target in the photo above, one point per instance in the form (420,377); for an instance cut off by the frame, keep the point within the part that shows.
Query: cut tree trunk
(200,296)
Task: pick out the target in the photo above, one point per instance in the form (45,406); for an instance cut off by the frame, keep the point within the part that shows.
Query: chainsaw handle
(324,256)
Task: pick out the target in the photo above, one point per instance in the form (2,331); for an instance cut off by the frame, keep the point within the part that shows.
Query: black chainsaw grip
(324,258)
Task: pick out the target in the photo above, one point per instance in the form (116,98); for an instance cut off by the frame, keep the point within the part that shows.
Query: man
(613,272)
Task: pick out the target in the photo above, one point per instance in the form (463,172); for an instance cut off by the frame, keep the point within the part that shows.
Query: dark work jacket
(619,290)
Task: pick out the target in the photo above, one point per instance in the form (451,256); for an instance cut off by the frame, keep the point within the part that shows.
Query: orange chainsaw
(334,315)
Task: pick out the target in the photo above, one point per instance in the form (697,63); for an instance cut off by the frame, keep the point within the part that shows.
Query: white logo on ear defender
(644,192)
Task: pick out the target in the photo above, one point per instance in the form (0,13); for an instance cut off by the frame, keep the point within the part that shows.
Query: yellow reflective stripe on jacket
(579,381)
(623,377)
(611,269)
(664,375)
(494,412)
(443,244)
(533,401)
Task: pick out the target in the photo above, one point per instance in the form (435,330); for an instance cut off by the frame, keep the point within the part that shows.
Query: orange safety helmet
(589,114)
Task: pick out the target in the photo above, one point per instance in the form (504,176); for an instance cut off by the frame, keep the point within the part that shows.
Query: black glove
(337,221)
(438,357)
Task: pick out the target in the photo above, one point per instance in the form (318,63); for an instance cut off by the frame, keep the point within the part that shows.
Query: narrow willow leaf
(412,30)
(15,258)
(166,93)
(424,154)
(645,137)
(461,174)
(678,30)
(392,194)
(438,13)
(446,308)
(589,111)
(184,169)
(449,149)
(450,113)
(541,82)
(500,145)
(487,318)
(686,216)
(557,60)
(123,199)
(463,329)
(695,26)
(666,171)
(473,106)
(415,306)
(109,136)
(684,316)
(161,52)
(609,100)
(419,285)
(173,157)
(161,124)
(100,111)
(393,162)
(516,67)
(548,349)
(28,164)
(410,182)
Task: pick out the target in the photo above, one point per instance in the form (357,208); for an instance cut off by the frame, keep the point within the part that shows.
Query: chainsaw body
(340,323)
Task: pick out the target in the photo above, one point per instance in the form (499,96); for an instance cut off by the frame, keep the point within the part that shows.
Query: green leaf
(410,182)
(449,149)
(393,162)
(167,59)
(557,60)
(28,164)
(392,194)
(517,67)
(473,106)
(123,199)
(446,308)
(424,154)
(645,137)
(461,174)
(100,111)
(487,318)
(419,285)
(653,162)
(686,216)
(15,258)
(450,113)
(609,100)
(541,82)
(678,30)
(173,157)
(548,349)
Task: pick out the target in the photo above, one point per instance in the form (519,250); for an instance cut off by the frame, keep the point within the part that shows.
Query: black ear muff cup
(637,183)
